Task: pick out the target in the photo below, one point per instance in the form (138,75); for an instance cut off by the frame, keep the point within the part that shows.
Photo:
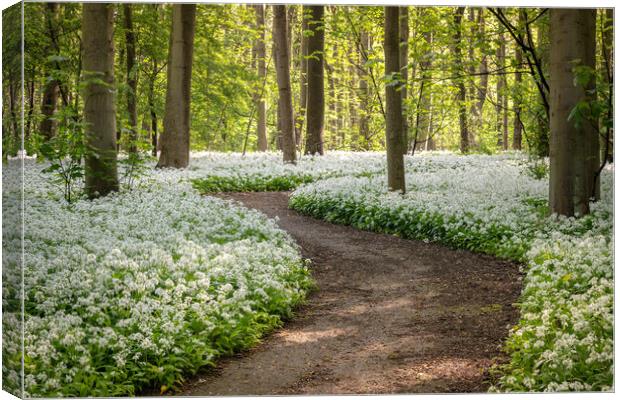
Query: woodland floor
(390,316)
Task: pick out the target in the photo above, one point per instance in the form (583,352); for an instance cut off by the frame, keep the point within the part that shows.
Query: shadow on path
(390,316)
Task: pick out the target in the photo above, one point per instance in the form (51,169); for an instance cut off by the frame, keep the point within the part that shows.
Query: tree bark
(364,92)
(285,99)
(152,112)
(261,126)
(175,138)
(99,105)
(500,95)
(315,116)
(462,92)
(571,38)
(403,32)
(393,104)
(51,91)
(517,100)
(484,69)
(303,75)
(132,80)
(587,145)
(422,139)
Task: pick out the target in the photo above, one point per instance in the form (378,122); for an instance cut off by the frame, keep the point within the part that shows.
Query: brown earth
(390,316)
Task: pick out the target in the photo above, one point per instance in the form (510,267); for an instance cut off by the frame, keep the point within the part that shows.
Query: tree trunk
(51,91)
(132,80)
(458,69)
(422,138)
(403,32)
(31,99)
(500,89)
(316,94)
(517,128)
(393,104)
(99,105)
(484,69)
(152,112)
(587,143)
(571,39)
(303,75)
(261,126)
(175,138)
(285,99)
(364,92)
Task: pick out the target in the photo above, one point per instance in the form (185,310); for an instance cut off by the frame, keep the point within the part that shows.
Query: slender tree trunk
(285,99)
(484,69)
(261,126)
(505,115)
(132,79)
(422,138)
(175,138)
(587,141)
(364,92)
(99,105)
(462,92)
(403,32)
(303,75)
(31,99)
(152,111)
(51,91)
(316,95)
(517,131)
(14,105)
(393,104)
(473,121)
(570,40)
(500,88)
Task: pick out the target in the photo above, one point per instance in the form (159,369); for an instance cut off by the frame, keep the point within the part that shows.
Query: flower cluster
(254,172)
(138,288)
(491,204)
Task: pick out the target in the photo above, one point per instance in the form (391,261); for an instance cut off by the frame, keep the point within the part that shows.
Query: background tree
(99,103)
(131,76)
(261,126)
(393,102)
(175,139)
(315,93)
(285,100)
(458,71)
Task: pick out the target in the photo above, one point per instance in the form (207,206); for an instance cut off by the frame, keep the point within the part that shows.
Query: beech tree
(393,102)
(403,37)
(99,103)
(315,112)
(261,106)
(286,121)
(131,76)
(458,70)
(175,138)
(51,90)
(572,138)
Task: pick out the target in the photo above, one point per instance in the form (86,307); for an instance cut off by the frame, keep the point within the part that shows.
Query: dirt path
(391,316)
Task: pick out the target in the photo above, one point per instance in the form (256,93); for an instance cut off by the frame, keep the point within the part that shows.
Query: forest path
(390,316)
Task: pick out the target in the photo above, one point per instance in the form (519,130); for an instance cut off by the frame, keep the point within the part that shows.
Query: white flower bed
(564,340)
(152,284)
(140,287)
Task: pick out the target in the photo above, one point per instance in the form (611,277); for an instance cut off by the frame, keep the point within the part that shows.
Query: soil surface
(390,316)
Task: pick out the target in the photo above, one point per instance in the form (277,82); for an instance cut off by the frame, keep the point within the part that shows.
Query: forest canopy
(472,66)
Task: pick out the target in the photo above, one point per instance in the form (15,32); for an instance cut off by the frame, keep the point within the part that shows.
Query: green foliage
(259,183)
(65,153)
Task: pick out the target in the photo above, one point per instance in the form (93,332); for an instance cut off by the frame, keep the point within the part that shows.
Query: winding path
(390,316)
